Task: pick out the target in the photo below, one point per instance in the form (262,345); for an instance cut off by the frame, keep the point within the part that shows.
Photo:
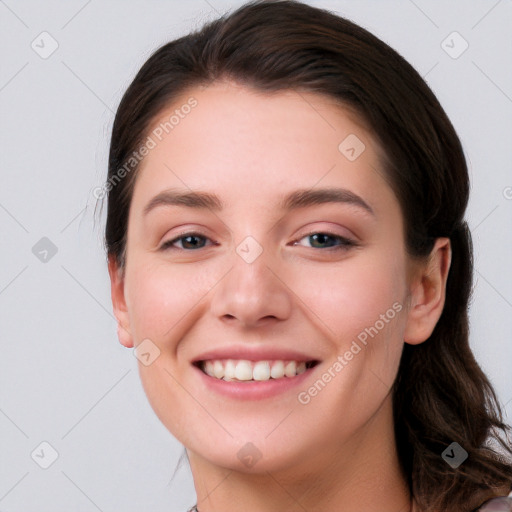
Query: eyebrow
(297,199)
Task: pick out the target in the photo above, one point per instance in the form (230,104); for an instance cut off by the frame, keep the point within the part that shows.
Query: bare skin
(336,450)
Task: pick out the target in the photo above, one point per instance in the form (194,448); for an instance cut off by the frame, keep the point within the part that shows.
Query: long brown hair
(440,395)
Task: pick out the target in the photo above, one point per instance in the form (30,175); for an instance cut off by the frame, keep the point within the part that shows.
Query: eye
(319,240)
(188,241)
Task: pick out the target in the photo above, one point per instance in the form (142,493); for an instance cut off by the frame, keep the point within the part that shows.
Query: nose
(252,294)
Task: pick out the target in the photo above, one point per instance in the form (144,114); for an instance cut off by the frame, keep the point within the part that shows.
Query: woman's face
(273,269)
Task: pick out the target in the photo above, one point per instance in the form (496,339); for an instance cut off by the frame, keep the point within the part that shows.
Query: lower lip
(253,390)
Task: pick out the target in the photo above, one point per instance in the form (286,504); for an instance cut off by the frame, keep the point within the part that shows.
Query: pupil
(191,237)
(320,237)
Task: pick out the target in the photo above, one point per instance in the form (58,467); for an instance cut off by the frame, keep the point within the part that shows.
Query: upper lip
(254,354)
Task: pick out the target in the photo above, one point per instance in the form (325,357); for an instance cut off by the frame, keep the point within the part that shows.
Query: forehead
(245,144)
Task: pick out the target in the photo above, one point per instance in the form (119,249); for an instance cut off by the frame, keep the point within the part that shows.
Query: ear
(428,292)
(119,302)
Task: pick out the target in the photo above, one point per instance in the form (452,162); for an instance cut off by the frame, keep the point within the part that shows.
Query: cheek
(351,297)
(160,295)
(164,301)
(361,309)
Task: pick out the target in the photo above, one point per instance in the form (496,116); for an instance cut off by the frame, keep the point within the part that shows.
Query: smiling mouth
(243,370)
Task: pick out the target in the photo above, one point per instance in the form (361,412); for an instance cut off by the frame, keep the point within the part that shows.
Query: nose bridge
(251,291)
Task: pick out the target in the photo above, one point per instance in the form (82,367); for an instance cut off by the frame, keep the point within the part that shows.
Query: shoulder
(502,504)
(497,504)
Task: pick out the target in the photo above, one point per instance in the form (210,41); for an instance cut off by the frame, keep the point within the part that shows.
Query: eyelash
(344,243)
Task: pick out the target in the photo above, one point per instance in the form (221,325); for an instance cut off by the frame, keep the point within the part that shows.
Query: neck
(362,473)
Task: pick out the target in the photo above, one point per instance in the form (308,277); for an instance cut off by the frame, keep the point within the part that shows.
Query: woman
(289,257)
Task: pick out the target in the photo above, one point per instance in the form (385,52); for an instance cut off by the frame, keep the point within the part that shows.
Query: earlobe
(119,303)
(428,294)
(125,338)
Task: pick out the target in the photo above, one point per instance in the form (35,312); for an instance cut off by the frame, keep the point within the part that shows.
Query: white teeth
(277,371)
(229,370)
(218,369)
(244,370)
(261,370)
(208,368)
(290,370)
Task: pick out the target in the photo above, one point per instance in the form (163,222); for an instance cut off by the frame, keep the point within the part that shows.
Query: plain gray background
(64,378)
